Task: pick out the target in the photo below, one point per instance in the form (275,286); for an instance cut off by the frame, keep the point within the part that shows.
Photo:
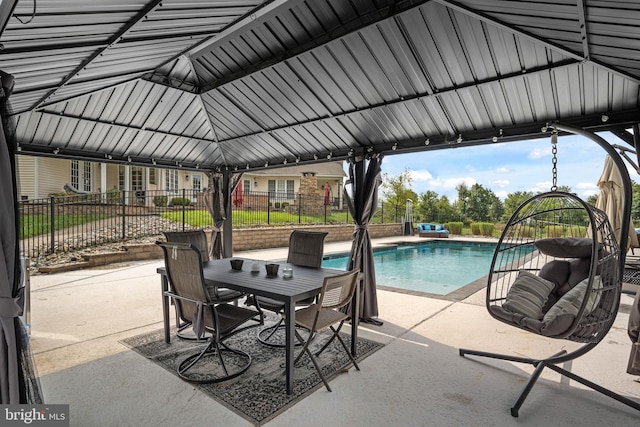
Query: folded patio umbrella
(611,199)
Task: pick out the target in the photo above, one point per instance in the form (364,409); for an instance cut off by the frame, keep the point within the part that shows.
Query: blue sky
(507,167)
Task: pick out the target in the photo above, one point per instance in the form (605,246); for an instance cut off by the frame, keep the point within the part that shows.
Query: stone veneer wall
(274,237)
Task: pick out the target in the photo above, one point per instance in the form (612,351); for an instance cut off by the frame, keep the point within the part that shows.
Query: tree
(513,201)
(635,200)
(427,206)
(445,210)
(479,203)
(461,204)
(396,190)
(434,208)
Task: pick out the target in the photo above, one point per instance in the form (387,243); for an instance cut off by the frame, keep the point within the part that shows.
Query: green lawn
(35,225)
(201,218)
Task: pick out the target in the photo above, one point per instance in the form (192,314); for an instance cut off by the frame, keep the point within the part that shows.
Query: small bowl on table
(272,269)
(236,264)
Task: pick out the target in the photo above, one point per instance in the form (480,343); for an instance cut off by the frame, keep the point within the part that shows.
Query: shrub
(277,205)
(475,228)
(284,205)
(113,196)
(526,231)
(576,231)
(555,231)
(486,228)
(180,201)
(482,229)
(160,201)
(455,227)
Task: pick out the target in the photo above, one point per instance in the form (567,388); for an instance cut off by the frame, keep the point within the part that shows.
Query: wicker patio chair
(208,309)
(337,291)
(306,249)
(547,278)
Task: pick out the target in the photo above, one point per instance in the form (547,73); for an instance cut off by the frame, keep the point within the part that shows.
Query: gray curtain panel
(218,201)
(18,381)
(363,183)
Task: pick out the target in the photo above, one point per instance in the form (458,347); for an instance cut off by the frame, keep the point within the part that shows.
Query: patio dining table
(305,283)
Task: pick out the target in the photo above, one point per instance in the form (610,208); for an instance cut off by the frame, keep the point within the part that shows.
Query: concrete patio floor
(417,379)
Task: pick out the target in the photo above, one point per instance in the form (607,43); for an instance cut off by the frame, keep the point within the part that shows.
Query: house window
(246,185)
(86,179)
(121,179)
(196,182)
(137,184)
(81,179)
(282,188)
(153,176)
(75,174)
(171,180)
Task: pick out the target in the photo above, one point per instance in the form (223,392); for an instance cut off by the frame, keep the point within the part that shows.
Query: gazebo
(260,84)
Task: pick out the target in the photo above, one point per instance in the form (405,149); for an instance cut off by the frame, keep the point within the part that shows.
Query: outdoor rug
(259,394)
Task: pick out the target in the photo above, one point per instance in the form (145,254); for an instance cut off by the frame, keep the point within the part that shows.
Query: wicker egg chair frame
(549,231)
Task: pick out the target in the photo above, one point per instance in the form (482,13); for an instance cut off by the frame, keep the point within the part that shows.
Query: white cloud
(501,183)
(452,183)
(502,194)
(537,153)
(588,193)
(587,186)
(502,170)
(541,187)
(421,175)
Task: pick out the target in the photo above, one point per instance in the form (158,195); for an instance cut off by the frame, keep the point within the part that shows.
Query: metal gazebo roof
(249,84)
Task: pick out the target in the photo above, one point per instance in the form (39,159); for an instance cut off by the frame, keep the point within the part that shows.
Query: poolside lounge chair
(432,230)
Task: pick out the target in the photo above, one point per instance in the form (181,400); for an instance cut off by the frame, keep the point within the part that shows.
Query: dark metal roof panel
(139,104)
(317,78)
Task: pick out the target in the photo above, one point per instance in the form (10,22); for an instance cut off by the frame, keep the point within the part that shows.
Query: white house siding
(27,176)
(112,177)
(53,174)
(41,176)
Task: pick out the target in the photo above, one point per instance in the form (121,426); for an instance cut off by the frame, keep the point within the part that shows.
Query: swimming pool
(436,267)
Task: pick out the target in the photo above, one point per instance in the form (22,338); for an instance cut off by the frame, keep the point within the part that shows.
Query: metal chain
(554,161)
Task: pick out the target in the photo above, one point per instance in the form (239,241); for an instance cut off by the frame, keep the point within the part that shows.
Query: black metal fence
(68,223)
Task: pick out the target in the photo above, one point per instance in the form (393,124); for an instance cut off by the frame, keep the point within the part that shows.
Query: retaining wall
(275,237)
(243,239)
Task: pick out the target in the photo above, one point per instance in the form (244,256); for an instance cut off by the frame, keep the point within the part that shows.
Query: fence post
(325,214)
(268,207)
(184,203)
(300,208)
(382,213)
(52,216)
(124,212)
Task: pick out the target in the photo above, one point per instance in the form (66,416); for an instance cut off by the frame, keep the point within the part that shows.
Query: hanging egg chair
(556,272)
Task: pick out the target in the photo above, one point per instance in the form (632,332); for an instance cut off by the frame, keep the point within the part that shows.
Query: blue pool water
(437,267)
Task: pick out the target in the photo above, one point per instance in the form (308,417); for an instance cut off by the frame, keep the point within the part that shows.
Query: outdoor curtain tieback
(12,307)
